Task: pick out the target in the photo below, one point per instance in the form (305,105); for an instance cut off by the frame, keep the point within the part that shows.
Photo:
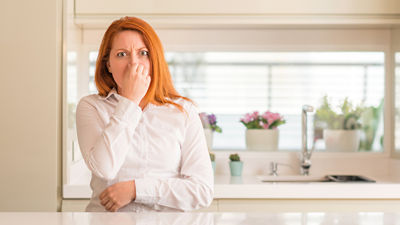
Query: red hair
(161,90)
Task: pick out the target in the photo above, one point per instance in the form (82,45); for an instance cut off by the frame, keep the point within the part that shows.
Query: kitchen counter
(249,187)
(298,218)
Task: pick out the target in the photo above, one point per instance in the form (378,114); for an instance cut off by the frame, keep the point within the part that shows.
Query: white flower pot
(341,140)
(209,138)
(262,139)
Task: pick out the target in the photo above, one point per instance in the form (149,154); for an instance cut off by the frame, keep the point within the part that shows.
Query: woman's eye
(120,54)
(144,53)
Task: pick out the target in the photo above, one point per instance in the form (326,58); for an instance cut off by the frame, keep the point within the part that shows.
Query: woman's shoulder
(90,100)
(187,105)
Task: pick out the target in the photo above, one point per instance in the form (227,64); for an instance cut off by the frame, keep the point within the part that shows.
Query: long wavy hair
(161,90)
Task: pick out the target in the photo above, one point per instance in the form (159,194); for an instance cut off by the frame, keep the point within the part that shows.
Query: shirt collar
(112,94)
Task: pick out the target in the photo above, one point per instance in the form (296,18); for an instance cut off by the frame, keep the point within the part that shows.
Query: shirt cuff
(146,190)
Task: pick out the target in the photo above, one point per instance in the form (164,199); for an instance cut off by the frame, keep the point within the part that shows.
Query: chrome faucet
(305,154)
(273,167)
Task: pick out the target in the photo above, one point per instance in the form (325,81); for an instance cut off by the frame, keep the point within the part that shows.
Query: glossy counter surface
(250,187)
(295,218)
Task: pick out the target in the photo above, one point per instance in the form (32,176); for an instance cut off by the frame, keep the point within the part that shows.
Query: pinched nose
(134,59)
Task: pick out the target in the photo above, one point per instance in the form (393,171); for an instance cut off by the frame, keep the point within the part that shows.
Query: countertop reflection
(295,218)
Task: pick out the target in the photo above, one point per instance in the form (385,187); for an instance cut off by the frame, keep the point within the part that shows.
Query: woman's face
(127,47)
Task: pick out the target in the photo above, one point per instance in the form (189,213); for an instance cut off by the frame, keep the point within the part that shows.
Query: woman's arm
(104,146)
(194,189)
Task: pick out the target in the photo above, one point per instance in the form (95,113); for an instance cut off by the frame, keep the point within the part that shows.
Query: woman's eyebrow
(144,47)
(121,49)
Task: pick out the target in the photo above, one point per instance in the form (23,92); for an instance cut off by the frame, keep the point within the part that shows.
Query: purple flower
(204,119)
(212,119)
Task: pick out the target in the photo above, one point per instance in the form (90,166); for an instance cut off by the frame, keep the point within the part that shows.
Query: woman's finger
(114,208)
(148,80)
(140,69)
(109,205)
(135,67)
(146,72)
(102,195)
(104,201)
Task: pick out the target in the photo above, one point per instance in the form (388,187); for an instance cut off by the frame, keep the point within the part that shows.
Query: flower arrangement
(345,116)
(210,121)
(267,120)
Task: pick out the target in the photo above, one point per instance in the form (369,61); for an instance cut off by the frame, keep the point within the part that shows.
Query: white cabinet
(212,7)
(228,13)
(74,205)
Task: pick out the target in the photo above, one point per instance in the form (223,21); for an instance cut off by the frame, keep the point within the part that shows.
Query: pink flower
(247,118)
(264,125)
(254,120)
(271,117)
(255,114)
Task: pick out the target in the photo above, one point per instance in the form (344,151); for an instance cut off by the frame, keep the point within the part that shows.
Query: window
(230,84)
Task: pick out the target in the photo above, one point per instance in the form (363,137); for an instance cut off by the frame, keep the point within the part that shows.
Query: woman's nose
(134,58)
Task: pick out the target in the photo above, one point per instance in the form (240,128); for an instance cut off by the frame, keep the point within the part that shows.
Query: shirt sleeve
(104,146)
(195,186)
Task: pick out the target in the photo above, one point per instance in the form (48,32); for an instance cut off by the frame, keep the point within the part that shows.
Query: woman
(142,141)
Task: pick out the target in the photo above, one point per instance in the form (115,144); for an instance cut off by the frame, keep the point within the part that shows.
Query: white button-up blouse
(161,148)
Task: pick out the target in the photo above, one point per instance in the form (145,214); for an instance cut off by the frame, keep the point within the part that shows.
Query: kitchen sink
(294,178)
(327,178)
(349,178)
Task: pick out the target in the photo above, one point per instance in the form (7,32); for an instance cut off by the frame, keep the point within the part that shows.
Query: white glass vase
(262,139)
(209,138)
(341,140)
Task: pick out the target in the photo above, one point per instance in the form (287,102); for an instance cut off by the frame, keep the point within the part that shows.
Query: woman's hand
(118,195)
(135,82)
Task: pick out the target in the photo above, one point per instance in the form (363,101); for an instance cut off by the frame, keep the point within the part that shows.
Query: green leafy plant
(370,119)
(234,157)
(212,157)
(345,116)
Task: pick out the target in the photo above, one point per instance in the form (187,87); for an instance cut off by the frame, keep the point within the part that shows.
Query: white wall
(30,115)
(396,39)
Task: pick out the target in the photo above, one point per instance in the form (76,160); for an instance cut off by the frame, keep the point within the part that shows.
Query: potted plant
(235,165)
(262,130)
(340,125)
(209,122)
(370,119)
(212,158)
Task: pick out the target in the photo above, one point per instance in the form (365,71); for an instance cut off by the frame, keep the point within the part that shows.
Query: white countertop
(297,218)
(249,187)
